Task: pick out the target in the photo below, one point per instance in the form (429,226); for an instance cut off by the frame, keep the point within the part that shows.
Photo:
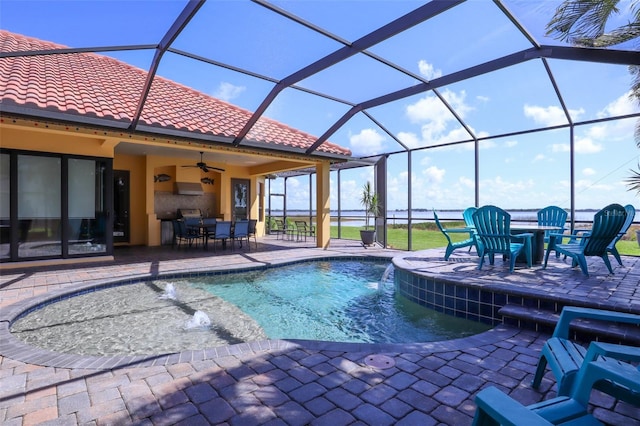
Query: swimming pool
(337,300)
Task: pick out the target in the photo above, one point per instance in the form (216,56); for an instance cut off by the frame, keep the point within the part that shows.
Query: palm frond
(582,19)
(633,181)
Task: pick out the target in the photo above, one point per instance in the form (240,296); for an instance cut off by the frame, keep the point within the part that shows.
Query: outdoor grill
(189,213)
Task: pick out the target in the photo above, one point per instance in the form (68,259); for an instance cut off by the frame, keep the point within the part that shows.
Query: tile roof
(98,86)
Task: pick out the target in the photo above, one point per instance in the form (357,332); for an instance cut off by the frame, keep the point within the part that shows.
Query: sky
(520,171)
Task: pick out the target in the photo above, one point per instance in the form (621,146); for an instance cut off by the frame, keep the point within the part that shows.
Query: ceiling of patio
(351,72)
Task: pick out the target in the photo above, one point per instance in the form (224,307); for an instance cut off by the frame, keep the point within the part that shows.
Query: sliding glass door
(53,206)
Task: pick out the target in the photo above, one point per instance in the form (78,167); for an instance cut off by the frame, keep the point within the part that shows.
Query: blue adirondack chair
(552,216)
(611,248)
(565,357)
(494,236)
(451,245)
(495,407)
(607,223)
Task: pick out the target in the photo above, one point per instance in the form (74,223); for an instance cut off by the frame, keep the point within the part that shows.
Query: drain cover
(381,362)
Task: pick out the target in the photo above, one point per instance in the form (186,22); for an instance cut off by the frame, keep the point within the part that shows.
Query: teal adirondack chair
(494,236)
(552,216)
(467,215)
(494,407)
(607,223)
(565,357)
(611,248)
(451,246)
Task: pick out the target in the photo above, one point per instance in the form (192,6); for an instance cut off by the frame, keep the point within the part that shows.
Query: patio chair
(552,216)
(280,229)
(451,245)
(467,215)
(181,234)
(223,233)
(565,357)
(494,236)
(611,248)
(495,407)
(241,233)
(208,228)
(607,223)
(304,230)
(252,231)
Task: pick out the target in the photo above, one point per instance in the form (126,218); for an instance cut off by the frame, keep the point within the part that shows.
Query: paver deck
(294,382)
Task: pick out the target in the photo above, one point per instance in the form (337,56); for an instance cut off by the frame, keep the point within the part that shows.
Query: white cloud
(227,91)
(466,182)
(409,139)
(549,116)
(483,98)
(582,146)
(488,144)
(537,158)
(587,146)
(434,174)
(510,144)
(367,142)
(427,70)
(434,119)
(588,171)
(431,109)
(425,161)
(621,106)
(560,147)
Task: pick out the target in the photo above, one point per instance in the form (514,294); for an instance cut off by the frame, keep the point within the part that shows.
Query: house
(93,153)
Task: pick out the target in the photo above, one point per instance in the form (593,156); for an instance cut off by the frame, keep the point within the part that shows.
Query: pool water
(340,301)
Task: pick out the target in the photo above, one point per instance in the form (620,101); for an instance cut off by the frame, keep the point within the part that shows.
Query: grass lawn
(427,237)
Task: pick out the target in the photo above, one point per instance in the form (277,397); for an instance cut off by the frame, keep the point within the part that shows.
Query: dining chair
(223,232)
(552,216)
(253,223)
(209,228)
(240,233)
(193,227)
(494,236)
(607,223)
(453,245)
(181,234)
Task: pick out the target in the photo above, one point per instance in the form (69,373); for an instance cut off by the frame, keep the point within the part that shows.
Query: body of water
(356,217)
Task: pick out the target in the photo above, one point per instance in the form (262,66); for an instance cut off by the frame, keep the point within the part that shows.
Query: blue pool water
(340,301)
(337,300)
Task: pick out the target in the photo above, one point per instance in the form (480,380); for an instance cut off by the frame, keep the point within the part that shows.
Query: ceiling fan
(203,166)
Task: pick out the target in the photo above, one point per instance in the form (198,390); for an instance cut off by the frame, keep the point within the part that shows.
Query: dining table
(537,242)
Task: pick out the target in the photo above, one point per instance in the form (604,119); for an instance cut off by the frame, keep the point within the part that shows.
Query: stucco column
(153,224)
(323,214)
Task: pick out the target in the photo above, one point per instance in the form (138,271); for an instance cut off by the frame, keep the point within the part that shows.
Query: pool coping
(14,348)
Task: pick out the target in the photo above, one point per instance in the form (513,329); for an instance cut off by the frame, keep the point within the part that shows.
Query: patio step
(585,330)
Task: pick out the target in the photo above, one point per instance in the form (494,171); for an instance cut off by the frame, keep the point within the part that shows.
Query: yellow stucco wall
(144,226)
(136,165)
(55,142)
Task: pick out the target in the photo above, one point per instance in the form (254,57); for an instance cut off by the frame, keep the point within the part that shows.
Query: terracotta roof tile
(99,86)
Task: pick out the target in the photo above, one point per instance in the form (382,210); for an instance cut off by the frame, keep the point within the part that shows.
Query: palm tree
(582,23)
(369,199)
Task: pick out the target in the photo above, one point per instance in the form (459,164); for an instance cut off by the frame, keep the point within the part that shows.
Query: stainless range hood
(189,188)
